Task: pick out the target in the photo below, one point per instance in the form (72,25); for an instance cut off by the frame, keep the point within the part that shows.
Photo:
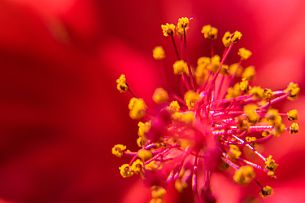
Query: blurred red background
(60,112)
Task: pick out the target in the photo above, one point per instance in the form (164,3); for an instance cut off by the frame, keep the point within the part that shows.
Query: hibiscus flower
(60,111)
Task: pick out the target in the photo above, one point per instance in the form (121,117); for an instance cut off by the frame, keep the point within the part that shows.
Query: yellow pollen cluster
(230,38)
(249,73)
(137,166)
(168,29)
(244,175)
(180,183)
(244,53)
(266,191)
(137,108)
(160,96)
(209,32)
(250,111)
(142,130)
(180,67)
(234,152)
(244,85)
(174,106)
(250,139)
(182,25)
(294,128)
(186,117)
(144,154)
(158,53)
(224,69)
(273,118)
(257,92)
(243,124)
(191,98)
(292,115)
(153,166)
(292,90)
(235,69)
(125,171)
(215,62)
(233,92)
(268,94)
(270,165)
(118,150)
(121,83)
(157,194)
(201,73)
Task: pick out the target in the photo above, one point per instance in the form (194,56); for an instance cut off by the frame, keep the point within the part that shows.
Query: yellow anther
(160,96)
(201,72)
(236,36)
(249,73)
(270,165)
(182,25)
(279,129)
(230,38)
(294,128)
(157,192)
(293,90)
(233,91)
(180,67)
(191,98)
(292,115)
(180,185)
(235,70)
(214,65)
(244,53)
(244,175)
(268,94)
(257,92)
(137,108)
(244,85)
(234,151)
(250,111)
(226,39)
(143,128)
(187,117)
(168,29)
(203,61)
(243,124)
(266,191)
(144,154)
(156,200)
(121,84)
(158,53)
(209,32)
(118,150)
(137,166)
(265,133)
(174,106)
(153,166)
(250,139)
(141,141)
(273,117)
(224,69)
(125,171)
